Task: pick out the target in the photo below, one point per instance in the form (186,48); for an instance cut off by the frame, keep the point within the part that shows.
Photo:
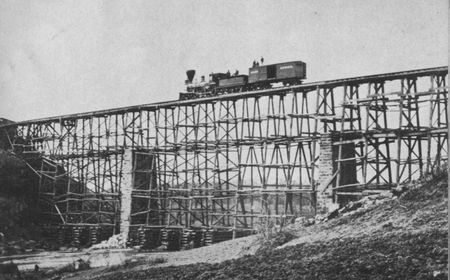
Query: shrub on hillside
(273,233)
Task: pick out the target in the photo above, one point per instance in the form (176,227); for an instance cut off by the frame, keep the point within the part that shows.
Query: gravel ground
(418,255)
(403,238)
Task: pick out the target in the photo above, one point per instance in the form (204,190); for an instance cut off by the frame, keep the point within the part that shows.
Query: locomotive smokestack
(190,75)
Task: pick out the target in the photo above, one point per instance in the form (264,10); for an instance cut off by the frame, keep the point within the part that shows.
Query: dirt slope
(404,238)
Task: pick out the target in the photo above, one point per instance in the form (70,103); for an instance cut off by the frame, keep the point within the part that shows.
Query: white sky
(60,57)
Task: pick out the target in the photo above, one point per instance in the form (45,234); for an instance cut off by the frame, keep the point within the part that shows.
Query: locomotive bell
(190,75)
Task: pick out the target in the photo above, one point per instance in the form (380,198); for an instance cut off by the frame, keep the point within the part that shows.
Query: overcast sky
(60,57)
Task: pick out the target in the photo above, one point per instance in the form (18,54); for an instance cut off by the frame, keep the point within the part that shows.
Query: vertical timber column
(324,192)
(125,192)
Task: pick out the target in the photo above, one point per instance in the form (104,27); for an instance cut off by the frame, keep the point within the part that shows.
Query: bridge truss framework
(233,162)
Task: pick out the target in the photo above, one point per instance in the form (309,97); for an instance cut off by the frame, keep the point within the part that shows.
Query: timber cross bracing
(231,162)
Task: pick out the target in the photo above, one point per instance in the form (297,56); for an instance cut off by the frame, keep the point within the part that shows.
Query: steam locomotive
(259,77)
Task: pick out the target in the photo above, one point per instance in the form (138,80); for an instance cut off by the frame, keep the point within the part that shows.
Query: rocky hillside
(401,237)
(18,203)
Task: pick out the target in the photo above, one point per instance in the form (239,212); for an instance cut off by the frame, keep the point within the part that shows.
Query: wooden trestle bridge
(217,167)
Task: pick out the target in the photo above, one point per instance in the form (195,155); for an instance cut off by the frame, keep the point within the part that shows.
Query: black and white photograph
(240,139)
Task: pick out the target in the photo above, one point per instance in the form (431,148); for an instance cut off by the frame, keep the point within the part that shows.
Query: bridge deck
(304,87)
